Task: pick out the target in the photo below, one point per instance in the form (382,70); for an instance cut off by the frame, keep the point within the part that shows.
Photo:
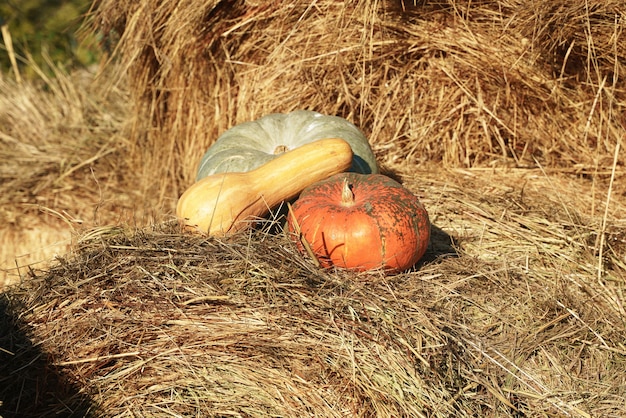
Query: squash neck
(313,161)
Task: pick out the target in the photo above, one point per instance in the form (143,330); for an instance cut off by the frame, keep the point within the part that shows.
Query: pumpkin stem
(347,196)
(280,149)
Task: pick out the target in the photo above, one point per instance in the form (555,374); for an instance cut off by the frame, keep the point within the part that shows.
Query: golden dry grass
(465,83)
(506,118)
(63,147)
(507,315)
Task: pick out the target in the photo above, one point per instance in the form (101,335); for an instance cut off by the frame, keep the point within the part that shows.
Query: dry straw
(506,319)
(506,118)
(60,146)
(464,83)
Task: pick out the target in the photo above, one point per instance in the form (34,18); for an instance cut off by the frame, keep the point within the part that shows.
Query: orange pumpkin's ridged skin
(386,226)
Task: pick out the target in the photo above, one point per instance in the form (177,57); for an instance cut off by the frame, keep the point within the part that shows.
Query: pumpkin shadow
(442,245)
(30,386)
(391,173)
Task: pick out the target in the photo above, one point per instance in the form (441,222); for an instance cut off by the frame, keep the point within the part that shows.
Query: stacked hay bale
(505,316)
(499,84)
(463,83)
(506,118)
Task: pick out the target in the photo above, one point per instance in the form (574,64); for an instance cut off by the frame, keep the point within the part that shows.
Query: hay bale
(506,316)
(506,83)
(517,309)
(63,166)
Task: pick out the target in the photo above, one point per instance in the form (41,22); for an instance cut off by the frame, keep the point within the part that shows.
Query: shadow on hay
(442,245)
(29,385)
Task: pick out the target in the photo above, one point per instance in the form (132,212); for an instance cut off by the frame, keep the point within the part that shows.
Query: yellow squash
(228,202)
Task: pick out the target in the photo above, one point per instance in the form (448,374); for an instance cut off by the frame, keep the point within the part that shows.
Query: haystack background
(464,83)
(506,118)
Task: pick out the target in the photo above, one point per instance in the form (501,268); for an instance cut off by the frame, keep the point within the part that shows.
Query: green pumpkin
(248,145)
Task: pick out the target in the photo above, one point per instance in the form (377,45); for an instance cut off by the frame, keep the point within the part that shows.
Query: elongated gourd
(228,202)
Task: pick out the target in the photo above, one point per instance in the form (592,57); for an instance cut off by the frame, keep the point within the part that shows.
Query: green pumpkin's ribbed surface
(248,145)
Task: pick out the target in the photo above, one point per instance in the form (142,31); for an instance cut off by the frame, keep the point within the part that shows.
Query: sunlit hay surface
(507,315)
(506,83)
(500,83)
(64,165)
(503,117)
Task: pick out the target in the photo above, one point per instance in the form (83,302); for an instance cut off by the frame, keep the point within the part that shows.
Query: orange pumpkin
(360,222)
